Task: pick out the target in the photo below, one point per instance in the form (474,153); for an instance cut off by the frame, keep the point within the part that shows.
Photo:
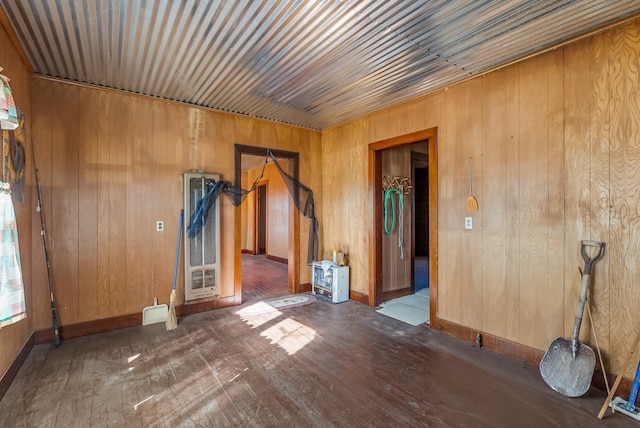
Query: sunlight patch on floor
(290,335)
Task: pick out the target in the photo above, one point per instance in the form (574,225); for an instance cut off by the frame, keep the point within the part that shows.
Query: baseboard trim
(247,252)
(277,259)
(359,297)
(502,346)
(14,368)
(304,288)
(90,327)
(196,308)
(521,352)
(114,323)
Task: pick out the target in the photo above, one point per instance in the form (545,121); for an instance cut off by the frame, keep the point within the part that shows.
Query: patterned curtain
(12,305)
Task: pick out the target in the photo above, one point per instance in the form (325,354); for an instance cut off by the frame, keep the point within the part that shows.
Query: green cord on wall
(388,195)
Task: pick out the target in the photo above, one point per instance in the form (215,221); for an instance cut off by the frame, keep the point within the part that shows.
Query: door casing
(375,204)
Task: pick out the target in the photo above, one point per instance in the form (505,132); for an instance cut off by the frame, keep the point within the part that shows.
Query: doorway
(420,221)
(380,290)
(261,219)
(247,157)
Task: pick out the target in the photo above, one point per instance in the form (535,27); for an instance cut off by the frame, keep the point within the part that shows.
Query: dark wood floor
(320,365)
(262,278)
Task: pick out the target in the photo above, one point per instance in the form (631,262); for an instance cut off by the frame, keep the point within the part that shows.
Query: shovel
(567,366)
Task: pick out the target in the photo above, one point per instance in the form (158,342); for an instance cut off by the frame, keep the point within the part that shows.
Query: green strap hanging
(388,195)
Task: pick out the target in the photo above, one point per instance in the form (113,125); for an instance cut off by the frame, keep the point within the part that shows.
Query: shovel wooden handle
(586,277)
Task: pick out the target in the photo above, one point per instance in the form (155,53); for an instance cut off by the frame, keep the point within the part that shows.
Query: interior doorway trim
(293,259)
(375,204)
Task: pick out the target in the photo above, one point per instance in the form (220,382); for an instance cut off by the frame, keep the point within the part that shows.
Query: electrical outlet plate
(159,226)
(468,223)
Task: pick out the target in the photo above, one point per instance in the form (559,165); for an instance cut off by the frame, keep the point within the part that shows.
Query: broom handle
(593,328)
(175,268)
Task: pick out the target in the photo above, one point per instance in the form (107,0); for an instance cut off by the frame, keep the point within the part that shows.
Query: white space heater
(202,253)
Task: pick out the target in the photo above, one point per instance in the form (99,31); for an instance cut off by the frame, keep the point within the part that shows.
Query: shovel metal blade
(565,374)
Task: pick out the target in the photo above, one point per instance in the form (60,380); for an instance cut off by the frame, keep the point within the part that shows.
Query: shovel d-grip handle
(587,261)
(586,277)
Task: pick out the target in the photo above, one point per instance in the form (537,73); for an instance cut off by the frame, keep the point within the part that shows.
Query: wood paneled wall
(278,201)
(555,142)
(13,337)
(111,165)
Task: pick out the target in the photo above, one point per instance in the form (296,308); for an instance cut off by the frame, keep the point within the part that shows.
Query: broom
(172,321)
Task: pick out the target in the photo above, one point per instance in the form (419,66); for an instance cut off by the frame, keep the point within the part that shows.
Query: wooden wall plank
(577,191)
(162,278)
(552,302)
(119,296)
(456,169)
(140,221)
(89,116)
(599,77)
(470,144)
(534,200)
(344,200)
(494,253)
(625,176)
(103,100)
(512,200)
(63,216)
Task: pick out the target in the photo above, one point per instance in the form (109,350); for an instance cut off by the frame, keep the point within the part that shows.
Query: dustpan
(154,314)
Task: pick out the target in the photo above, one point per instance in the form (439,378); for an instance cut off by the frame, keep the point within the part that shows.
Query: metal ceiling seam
(38,36)
(281,45)
(17,21)
(372,96)
(538,42)
(153,65)
(210,76)
(239,64)
(51,35)
(219,59)
(298,55)
(138,51)
(244,64)
(458,41)
(188,48)
(304,73)
(376,70)
(389,37)
(76,45)
(130,27)
(313,61)
(91,69)
(63,38)
(340,72)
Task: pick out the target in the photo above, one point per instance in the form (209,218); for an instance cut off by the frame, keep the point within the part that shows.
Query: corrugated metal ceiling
(309,63)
